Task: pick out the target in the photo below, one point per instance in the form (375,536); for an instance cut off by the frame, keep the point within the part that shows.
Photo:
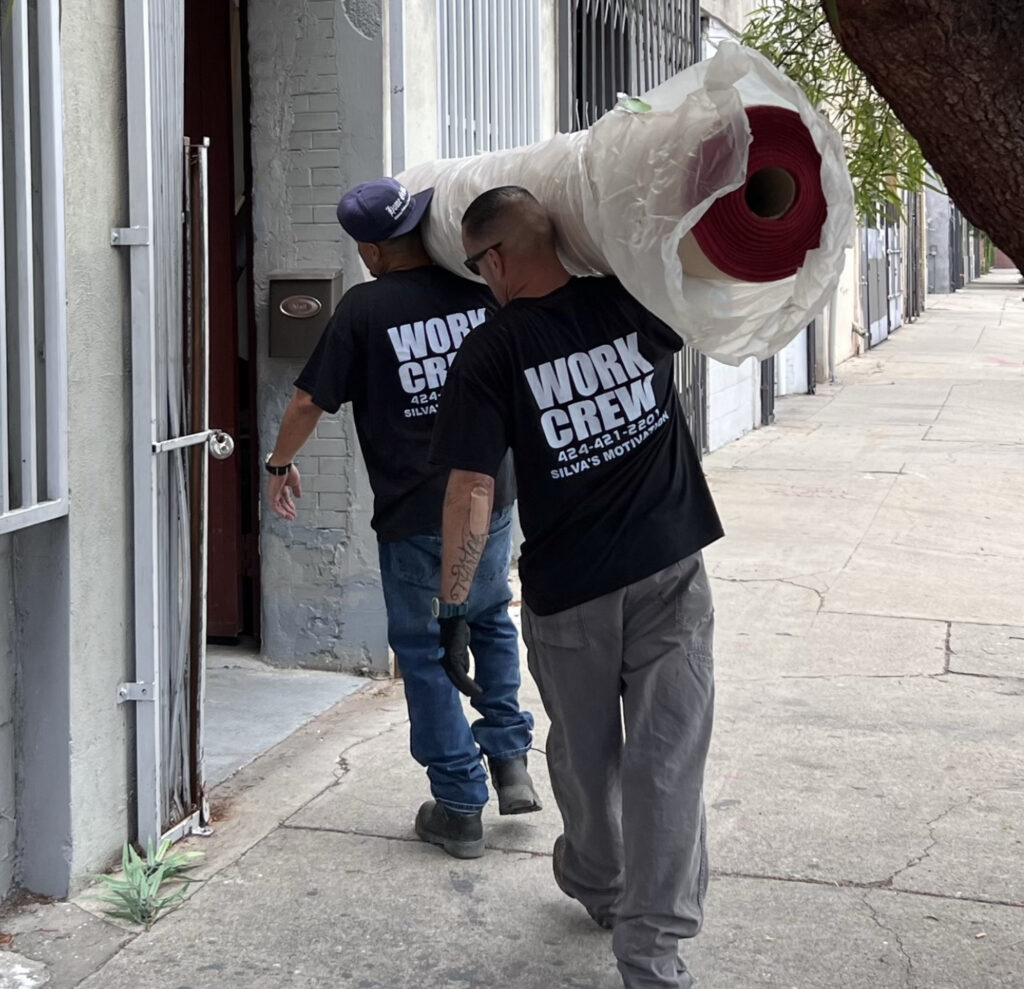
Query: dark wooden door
(216,107)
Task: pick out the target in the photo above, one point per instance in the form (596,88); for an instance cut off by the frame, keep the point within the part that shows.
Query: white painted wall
(732,13)
(847,343)
(549,69)
(421,124)
(99,525)
(733,401)
(791,367)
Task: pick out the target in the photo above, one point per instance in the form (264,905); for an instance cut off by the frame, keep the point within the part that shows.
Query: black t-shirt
(387,350)
(578,384)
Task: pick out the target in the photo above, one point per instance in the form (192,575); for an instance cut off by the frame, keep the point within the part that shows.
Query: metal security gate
(612,46)
(166,237)
(894,270)
(957,272)
(913,257)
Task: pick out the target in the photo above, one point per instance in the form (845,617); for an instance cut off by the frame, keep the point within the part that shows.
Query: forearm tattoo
(464,568)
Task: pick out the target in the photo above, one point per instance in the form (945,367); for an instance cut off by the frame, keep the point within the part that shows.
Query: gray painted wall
(45,838)
(937,209)
(7,689)
(65,586)
(317,128)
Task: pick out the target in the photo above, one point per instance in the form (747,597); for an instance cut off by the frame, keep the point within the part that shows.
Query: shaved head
(512,215)
(512,239)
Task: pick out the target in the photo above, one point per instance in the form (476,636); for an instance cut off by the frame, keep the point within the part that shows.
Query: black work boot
(460,835)
(516,794)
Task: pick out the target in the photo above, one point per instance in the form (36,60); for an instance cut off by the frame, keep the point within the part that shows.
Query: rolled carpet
(721,200)
(762,231)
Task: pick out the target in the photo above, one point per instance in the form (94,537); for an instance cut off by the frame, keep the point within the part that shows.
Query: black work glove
(455,655)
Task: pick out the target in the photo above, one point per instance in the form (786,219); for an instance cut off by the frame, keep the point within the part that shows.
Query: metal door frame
(893,269)
(160,184)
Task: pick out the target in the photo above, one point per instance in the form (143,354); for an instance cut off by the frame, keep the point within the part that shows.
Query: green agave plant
(137,896)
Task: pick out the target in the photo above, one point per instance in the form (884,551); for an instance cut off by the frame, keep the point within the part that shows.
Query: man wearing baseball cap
(387,350)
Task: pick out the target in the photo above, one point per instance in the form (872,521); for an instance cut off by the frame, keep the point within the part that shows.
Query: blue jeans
(441,739)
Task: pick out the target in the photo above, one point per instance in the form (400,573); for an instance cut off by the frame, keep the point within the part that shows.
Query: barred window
(33,378)
(488,75)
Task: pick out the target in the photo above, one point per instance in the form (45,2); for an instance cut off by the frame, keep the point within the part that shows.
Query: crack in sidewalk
(933,839)
(878,885)
(910,981)
(793,581)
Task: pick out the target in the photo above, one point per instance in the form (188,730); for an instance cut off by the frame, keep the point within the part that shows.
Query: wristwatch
(443,610)
(276,471)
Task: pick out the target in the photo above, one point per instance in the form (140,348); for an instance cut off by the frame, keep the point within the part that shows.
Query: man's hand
(280,489)
(455,655)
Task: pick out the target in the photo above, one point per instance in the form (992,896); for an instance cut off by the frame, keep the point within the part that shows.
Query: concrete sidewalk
(866,786)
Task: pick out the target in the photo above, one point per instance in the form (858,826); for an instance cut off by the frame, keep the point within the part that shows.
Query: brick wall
(317,128)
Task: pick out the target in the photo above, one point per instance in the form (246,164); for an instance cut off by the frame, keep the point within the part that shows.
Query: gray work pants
(628,683)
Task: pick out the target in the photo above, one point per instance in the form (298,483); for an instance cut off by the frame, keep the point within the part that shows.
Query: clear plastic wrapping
(626,194)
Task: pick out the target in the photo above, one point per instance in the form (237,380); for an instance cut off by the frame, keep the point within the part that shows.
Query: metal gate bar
(609,46)
(768,391)
(812,356)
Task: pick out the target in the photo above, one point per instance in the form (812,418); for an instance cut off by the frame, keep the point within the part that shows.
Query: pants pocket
(688,594)
(564,630)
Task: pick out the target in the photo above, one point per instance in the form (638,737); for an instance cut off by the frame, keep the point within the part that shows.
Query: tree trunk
(953,73)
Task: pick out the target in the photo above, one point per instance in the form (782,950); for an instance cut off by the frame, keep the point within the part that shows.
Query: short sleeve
(330,373)
(471,430)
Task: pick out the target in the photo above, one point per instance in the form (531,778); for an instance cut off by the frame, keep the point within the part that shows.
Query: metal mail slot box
(301,305)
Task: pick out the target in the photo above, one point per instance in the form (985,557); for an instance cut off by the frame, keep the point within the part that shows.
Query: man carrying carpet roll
(575,377)
(387,350)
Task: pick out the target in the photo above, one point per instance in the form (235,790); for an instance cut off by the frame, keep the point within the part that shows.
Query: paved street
(866,784)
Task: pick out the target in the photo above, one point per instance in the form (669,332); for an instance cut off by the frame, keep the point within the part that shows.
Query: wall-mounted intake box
(301,305)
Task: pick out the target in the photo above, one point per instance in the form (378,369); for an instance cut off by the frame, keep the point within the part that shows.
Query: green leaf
(633,104)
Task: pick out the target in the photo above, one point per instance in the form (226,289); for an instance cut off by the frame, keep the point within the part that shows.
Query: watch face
(435,607)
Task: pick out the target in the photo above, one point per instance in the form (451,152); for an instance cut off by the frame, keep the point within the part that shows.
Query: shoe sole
(517,800)
(456,849)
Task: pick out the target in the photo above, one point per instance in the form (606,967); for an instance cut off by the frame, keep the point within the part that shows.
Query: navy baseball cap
(381,209)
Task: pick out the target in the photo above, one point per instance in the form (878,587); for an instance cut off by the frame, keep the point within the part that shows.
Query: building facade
(166,168)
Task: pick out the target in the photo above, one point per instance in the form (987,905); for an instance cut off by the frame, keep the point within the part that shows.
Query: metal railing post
(147,611)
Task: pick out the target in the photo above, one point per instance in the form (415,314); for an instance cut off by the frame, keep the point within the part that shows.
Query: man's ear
(498,261)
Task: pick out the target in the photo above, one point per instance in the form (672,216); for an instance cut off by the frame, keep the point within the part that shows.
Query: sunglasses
(473,262)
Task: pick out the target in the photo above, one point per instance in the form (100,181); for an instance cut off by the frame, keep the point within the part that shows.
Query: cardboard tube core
(770,192)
